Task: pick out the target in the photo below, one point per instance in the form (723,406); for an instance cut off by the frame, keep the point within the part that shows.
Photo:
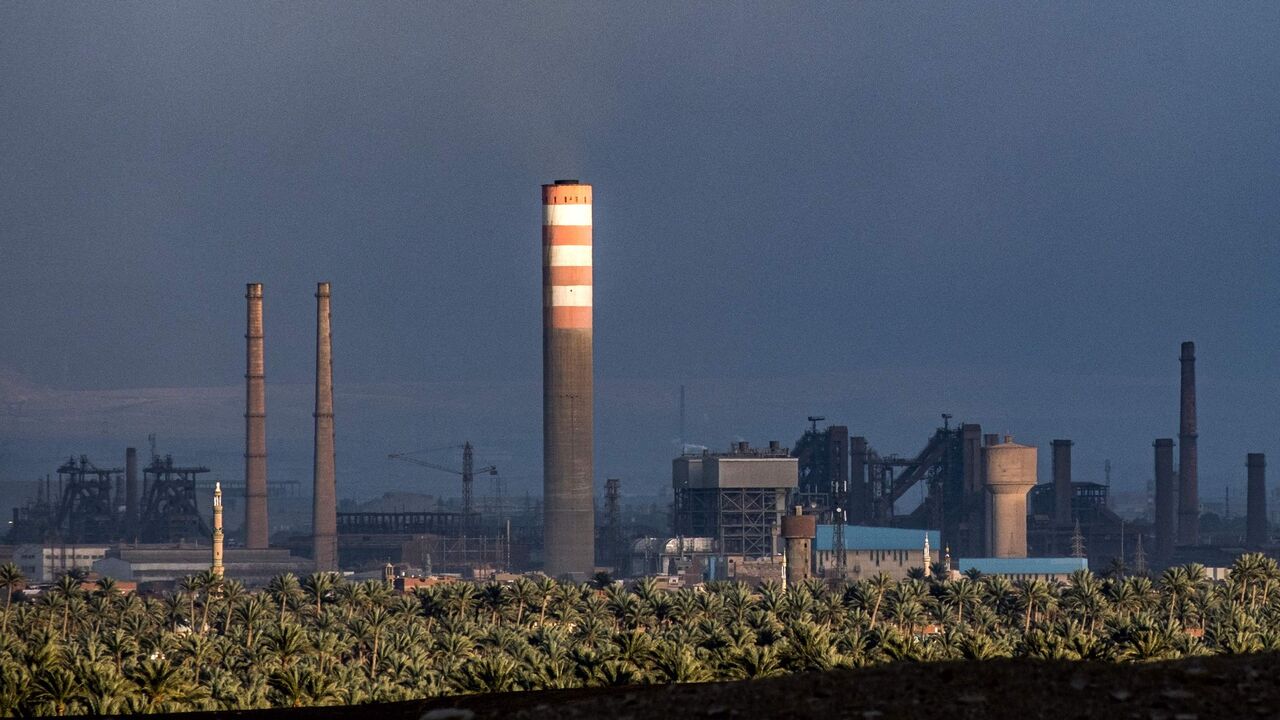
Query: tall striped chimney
(255,426)
(324,516)
(1188,483)
(567,388)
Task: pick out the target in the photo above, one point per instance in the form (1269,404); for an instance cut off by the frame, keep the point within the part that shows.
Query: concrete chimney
(1189,490)
(133,512)
(1062,483)
(255,425)
(567,383)
(1010,475)
(1256,534)
(1166,519)
(324,507)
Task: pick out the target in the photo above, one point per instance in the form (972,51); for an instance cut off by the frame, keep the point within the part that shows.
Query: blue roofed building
(872,550)
(1041,568)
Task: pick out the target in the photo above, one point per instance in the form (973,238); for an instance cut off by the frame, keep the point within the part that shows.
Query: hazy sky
(1012,212)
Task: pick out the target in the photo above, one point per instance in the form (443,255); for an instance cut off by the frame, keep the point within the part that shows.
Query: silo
(798,531)
(1010,475)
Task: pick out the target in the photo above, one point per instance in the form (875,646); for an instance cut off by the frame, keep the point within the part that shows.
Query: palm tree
(59,688)
(318,586)
(11,578)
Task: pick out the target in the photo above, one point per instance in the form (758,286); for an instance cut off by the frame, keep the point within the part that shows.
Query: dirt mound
(1213,687)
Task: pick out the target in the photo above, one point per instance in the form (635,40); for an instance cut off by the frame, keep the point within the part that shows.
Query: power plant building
(567,383)
(738,498)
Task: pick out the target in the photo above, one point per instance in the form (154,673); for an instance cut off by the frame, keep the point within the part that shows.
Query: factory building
(1052,569)
(168,564)
(738,498)
(44,563)
(873,550)
(567,383)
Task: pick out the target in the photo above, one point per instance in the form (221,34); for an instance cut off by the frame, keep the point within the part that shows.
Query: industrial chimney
(1256,523)
(132,510)
(1166,498)
(567,385)
(324,504)
(255,426)
(1189,491)
(1062,483)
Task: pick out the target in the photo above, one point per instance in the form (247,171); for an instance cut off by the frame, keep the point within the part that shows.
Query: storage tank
(1010,474)
(798,531)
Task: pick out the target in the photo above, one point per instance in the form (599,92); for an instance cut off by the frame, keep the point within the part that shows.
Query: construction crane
(468,471)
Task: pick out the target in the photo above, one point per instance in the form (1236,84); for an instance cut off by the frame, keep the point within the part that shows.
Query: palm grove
(322,640)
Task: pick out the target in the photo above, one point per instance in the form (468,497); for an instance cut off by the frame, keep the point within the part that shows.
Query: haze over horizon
(876,213)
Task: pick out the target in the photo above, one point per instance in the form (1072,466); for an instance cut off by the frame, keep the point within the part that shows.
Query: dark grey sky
(875,212)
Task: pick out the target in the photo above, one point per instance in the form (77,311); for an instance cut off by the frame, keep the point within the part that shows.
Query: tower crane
(468,471)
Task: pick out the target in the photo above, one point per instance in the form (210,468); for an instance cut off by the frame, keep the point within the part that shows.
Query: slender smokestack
(1062,482)
(567,386)
(1256,524)
(324,506)
(1189,491)
(255,426)
(132,511)
(1166,498)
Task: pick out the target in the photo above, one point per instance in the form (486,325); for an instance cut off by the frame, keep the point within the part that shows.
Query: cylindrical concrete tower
(1062,482)
(1189,487)
(567,388)
(1166,499)
(216,566)
(1010,475)
(132,511)
(255,426)
(1256,520)
(324,507)
(798,531)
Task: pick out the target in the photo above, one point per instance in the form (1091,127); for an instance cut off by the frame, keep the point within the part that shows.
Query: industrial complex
(832,506)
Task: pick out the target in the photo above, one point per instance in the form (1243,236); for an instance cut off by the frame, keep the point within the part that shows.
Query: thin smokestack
(1166,498)
(1256,523)
(324,506)
(1062,482)
(132,511)
(567,384)
(1189,490)
(255,425)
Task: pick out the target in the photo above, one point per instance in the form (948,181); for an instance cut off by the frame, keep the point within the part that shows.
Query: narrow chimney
(1256,524)
(1062,482)
(324,497)
(132,510)
(255,425)
(1189,491)
(1166,498)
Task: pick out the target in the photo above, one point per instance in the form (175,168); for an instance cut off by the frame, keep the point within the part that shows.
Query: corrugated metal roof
(863,537)
(1022,566)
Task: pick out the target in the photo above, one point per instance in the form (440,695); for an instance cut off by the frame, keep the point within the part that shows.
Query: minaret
(928,558)
(217,531)
(946,562)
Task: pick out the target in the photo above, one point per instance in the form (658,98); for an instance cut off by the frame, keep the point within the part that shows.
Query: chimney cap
(568,181)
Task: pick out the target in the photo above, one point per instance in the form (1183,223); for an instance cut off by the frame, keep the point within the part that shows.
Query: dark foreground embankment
(1213,687)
